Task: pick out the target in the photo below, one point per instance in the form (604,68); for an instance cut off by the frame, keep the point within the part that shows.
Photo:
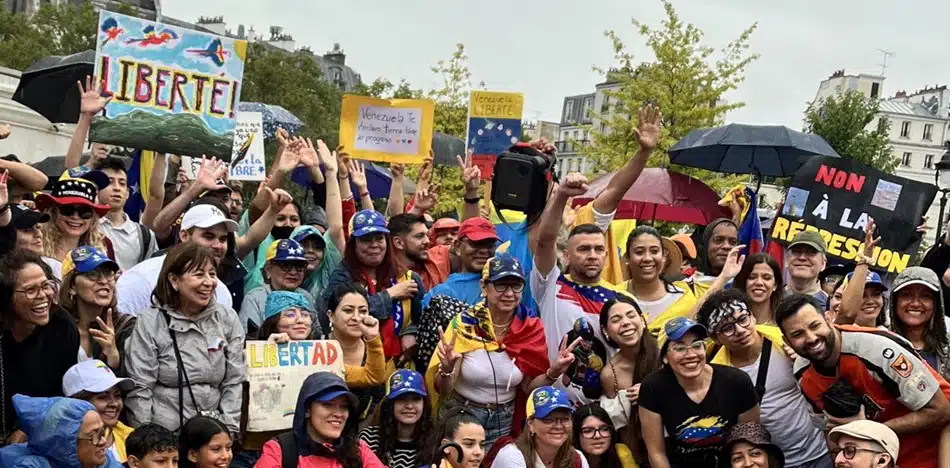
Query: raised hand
(279,199)
(291,156)
(648,129)
(565,357)
(370,328)
(4,131)
(105,336)
(471,174)
(398,170)
(210,171)
(308,153)
(358,175)
(870,242)
(426,199)
(733,263)
(282,138)
(343,161)
(91,101)
(425,173)
(327,158)
(574,185)
(544,145)
(4,194)
(448,356)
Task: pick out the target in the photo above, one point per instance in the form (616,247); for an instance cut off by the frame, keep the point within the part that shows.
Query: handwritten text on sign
(275,374)
(247,157)
(388,129)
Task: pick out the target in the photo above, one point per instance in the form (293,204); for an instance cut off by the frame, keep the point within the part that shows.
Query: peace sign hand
(471,174)
(565,357)
(105,336)
(448,356)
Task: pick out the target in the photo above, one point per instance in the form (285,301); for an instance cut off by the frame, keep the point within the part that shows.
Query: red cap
(477,229)
(445,223)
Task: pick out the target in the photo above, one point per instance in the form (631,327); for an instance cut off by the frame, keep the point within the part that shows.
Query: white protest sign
(388,129)
(247,158)
(276,372)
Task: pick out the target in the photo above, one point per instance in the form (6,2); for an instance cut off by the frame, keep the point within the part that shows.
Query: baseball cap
(503,265)
(809,238)
(871,279)
(916,275)
(405,381)
(86,258)
(445,223)
(368,222)
(545,400)
(92,376)
(22,217)
(222,187)
(333,386)
(871,431)
(205,216)
(677,327)
(285,250)
(305,231)
(477,229)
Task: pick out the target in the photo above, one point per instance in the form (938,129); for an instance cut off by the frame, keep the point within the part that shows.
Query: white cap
(205,216)
(93,376)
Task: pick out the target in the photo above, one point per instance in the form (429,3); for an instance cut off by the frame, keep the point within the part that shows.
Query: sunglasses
(68,211)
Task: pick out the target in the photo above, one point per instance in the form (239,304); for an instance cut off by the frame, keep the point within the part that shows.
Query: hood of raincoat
(316,385)
(51,426)
(936,336)
(707,235)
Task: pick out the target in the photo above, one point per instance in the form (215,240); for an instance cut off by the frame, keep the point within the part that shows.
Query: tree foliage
(843,121)
(686,79)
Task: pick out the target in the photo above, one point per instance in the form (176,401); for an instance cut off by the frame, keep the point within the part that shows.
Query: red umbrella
(664,196)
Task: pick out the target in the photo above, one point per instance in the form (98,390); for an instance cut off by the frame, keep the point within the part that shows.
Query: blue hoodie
(51,426)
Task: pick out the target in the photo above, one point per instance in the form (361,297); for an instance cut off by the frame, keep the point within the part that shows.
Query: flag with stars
(139,172)
(590,297)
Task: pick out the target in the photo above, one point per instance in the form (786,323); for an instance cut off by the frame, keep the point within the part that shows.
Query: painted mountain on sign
(176,133)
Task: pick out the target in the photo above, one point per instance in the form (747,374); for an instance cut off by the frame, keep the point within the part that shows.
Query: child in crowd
(152,446)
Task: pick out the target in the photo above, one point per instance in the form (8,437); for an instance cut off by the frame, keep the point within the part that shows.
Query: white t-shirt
(785,413)
(135,287)
(56,266)
(484,374)
(510,457)
(127,241)
(654,309)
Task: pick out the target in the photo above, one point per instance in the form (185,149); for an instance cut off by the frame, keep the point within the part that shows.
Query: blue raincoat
(51,426)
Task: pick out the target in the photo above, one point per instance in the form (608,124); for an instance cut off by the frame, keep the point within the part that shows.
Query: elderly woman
(493,352)
(284,270)
(186,354)
(547,440)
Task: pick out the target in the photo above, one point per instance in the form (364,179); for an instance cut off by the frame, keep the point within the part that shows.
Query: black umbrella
(446,148)
(48,86)
(763,150)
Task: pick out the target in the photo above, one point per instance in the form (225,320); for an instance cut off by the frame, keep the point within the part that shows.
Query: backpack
(145,234)
(288,450)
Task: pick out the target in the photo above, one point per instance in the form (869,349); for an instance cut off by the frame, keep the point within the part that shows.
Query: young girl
(204,443)
(462,428)
(405,417)
(288,316)
(595,437)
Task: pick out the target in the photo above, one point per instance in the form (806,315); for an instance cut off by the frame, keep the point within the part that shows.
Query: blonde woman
(74,215)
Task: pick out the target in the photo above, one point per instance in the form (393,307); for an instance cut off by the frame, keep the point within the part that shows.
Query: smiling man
(898,388)
(475,245)
(804,261)
(132,242)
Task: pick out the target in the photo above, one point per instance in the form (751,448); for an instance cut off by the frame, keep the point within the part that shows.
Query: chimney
(214,24)
(240,31)
(901,94)
(336,56)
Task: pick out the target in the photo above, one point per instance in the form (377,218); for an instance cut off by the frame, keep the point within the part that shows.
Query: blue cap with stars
(545,400)
(405,381)
(503,265)
(285,250)
(368,222)
(86,258)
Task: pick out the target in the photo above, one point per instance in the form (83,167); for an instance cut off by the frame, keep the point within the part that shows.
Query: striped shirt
(404,455)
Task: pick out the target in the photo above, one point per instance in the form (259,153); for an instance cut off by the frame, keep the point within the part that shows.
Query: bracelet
(444,375)
(548,375)
(364,193)
(472,200)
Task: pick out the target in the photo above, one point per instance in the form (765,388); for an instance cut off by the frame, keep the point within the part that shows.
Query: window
(568,111)
(875,90)
(929,161)
(606,105)
(588,105)
(928,132)
(905,160)
(905,129)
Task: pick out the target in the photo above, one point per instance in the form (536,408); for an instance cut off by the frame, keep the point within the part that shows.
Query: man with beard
(412,251)
(897,388)
(719,237)
(804,261)
(474,246)
(757,351)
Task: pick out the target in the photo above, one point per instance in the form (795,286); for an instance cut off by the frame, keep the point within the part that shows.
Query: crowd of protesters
(122,342)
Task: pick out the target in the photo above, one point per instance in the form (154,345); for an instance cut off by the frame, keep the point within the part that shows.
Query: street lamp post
(942,179)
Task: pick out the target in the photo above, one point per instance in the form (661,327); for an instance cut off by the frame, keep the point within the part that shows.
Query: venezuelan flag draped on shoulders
(772,332)
(472,330)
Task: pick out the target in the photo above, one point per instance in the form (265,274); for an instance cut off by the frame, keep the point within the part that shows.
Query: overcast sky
(546,48)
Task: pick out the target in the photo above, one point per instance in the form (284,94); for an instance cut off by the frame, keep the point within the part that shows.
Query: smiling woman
(39,340)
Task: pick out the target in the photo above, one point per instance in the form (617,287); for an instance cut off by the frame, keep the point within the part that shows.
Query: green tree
(685,80)
(384,89)
(843,120)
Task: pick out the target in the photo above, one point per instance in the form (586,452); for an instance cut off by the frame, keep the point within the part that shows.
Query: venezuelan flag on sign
(139,172)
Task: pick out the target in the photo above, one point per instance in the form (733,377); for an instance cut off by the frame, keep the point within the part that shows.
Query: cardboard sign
(247,158)
(174,90)
(494,125)
(836,196)
(388,130)
(275,373)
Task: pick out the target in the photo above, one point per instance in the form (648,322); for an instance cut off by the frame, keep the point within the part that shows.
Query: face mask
(281,232)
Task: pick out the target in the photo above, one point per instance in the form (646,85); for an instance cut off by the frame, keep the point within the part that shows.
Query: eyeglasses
(595,432)
(850,451)
(293,315)
(696,347)
(502,288)
(729,328)
(288,267)
(47,288)
(96,438)
(98,274)
(832,279)
(85,212)
(564,422)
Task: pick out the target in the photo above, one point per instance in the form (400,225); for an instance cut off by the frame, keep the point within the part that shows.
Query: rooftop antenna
(884,64)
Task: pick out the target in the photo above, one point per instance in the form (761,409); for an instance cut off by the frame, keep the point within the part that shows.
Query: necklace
(505,325)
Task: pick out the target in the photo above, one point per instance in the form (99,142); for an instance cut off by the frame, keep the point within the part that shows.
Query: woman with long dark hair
(917,313)
(325,432)
(596,438)
(761,279)
(404,419)
(204,443)
(638,356)
(546,442)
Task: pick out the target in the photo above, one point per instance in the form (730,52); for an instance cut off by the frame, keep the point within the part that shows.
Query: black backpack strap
(763,368)
(145,234)
(288,450)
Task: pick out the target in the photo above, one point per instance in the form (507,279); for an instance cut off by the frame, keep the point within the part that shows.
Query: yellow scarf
(681,308)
